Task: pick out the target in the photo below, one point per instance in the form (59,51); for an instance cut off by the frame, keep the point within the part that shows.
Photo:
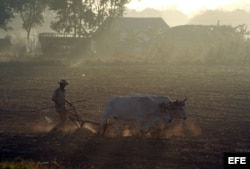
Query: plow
(73,115)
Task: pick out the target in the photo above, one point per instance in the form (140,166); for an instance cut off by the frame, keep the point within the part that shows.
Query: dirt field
(217,109)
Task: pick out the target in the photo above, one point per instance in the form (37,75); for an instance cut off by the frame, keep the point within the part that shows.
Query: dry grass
(19,165)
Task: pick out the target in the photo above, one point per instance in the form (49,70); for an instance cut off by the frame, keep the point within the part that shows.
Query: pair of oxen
(140,111)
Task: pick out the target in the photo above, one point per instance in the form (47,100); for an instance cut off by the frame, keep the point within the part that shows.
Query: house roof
(138,24)
(125,24)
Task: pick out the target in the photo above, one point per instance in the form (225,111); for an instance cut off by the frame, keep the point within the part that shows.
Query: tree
(83,17)
(115,7)
(30,13)
(6,13)
(63,14)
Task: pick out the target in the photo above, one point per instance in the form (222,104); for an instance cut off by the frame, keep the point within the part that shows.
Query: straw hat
(63,82)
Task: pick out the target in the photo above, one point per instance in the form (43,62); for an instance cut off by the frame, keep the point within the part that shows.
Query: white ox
(142,110)
(176,109)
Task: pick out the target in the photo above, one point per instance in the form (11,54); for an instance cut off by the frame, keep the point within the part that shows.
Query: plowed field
(217,109)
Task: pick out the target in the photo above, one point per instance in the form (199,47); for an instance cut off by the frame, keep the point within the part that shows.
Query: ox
(176,109)
(141,110)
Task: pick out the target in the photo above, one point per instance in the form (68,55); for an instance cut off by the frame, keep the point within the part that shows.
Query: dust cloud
(41,127)
(183,128)
(178,128)
(91,127)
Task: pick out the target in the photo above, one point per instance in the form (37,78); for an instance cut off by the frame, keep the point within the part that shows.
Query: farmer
(60,101)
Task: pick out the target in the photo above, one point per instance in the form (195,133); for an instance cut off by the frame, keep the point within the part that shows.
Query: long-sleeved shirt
(59,97)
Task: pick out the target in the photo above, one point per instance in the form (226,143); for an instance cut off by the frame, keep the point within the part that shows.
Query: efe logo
(236,160)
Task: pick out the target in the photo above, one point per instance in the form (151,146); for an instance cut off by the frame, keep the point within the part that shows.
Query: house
(127,35)
(62,44)
(122,26)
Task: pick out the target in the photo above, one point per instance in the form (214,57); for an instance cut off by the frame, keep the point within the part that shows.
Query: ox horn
(185,99)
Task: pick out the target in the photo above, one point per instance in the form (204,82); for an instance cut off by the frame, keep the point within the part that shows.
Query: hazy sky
(190,7)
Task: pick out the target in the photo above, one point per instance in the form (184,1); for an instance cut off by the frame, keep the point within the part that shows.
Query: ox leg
(140,128)
(118,128)
(156,130)
(105,127)
(133,129)
(104,124)
(144,128)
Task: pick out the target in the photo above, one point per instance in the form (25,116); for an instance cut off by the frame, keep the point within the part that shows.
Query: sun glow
(188,6)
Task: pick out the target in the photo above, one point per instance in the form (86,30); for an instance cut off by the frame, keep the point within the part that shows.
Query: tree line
(182,44)
(78,17)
